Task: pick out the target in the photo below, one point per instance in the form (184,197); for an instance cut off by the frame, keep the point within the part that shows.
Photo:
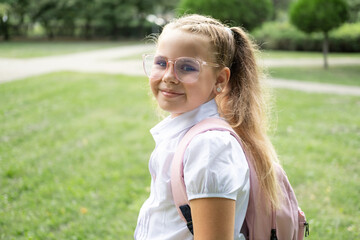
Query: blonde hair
(243,102)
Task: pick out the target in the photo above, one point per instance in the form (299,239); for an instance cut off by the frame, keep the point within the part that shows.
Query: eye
(187,66)
(160,62)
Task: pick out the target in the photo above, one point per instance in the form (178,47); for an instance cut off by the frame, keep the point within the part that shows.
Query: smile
(170,93)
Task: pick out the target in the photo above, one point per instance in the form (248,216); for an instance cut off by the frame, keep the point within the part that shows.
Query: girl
(204,69)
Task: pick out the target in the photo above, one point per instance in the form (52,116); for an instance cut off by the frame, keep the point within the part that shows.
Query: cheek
(153,85)
(207,84)
(200,92)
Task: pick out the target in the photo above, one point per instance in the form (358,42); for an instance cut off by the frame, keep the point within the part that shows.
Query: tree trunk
(326,49)
(87,31)
(48,30)
(4,28)
(114,30)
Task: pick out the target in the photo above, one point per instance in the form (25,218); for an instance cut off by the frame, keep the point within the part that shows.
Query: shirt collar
(170,127)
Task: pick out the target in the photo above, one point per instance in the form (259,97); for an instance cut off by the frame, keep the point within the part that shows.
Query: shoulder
(214,166)
(213,142)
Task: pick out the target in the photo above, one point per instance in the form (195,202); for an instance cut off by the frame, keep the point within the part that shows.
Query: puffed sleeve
(215,166)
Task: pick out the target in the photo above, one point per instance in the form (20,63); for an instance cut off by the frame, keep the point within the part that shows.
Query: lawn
(74,150)
(345,75)
(318,139)
(42,49)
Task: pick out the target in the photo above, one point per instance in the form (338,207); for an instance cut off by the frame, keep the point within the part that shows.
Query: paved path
(109,61)
(106,61)
(314,87)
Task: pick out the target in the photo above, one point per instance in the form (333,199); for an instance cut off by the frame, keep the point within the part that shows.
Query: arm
(213,218)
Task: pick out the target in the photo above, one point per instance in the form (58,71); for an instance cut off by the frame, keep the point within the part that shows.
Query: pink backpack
(286,223)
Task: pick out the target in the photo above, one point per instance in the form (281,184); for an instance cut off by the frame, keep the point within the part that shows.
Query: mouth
(170,93)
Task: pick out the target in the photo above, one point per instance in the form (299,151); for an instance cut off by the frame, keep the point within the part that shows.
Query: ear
(222,79)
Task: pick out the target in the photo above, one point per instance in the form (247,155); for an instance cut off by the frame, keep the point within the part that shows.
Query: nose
(169,75)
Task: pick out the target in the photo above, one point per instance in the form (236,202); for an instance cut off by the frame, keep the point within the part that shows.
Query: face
(172,95)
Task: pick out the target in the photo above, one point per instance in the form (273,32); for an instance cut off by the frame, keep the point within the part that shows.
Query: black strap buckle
(186,212)
(273,235)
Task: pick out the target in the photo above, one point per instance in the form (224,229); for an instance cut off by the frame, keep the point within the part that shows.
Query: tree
(47,13)
(12,17)
(18,13)
(247,13)
(281,4)
(4,17)
(115,14)
(281,9)
(354,10)
(85,18)
(319,16)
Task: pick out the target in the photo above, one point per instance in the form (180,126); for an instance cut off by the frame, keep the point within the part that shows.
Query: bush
(346,38)
(284,36)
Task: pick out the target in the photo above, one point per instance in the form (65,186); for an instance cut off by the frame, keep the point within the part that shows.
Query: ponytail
(244,107)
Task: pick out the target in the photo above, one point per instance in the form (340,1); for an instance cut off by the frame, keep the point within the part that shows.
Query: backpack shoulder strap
(178,187)
(259,223)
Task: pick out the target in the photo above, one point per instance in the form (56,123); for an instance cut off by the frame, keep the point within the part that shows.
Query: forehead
(174,43)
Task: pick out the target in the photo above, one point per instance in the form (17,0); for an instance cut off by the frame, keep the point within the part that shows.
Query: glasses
(186,69)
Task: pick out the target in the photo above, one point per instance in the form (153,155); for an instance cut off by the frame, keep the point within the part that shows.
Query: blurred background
(75,109)
(276,24)
(289,25)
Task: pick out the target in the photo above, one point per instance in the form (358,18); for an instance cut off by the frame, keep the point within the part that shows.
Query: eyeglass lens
(186,69)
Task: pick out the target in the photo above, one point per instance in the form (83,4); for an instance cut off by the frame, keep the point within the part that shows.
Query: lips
(170,93)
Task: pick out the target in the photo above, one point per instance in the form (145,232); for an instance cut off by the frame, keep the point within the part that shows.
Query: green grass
(42,48)
(346,75)
(72,143)
(318,139)
(74,152)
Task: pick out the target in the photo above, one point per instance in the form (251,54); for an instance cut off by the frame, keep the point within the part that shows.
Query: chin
(173,112)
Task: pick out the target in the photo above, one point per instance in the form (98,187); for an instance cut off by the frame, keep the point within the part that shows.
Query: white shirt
(214,166)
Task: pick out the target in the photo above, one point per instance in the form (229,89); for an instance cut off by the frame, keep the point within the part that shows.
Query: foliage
(4,10)
(281,4)
(74,157)
(346,38)
(284,36)
(246,13)
(127,18)
(278,35)
(354,8)
(55,16)
(84,18)
(281,9)
(318,15)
